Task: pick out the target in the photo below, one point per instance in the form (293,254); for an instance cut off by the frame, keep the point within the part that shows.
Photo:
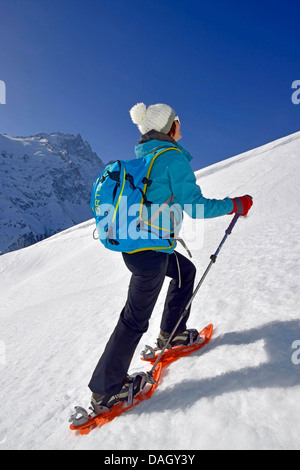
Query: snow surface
(61,299)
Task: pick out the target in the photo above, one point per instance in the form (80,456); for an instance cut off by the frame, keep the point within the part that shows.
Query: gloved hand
(242,205)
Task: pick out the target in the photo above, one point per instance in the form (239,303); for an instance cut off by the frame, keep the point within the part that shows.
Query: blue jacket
(172,174)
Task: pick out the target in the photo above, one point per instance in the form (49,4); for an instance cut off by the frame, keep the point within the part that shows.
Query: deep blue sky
(78,66)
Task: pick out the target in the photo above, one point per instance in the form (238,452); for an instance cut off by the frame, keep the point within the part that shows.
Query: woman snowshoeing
(171,175)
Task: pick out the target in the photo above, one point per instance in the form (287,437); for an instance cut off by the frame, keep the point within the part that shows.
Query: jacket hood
(152,140)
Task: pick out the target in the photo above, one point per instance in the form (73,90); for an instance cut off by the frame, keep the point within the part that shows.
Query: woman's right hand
(242,205)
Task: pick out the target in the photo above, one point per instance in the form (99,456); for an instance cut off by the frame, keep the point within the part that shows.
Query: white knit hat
(158,117)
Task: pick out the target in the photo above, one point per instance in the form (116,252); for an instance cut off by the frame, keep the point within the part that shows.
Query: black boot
(180,339)
(103,403)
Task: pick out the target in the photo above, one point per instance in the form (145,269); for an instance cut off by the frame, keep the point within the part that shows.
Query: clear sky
(78,66)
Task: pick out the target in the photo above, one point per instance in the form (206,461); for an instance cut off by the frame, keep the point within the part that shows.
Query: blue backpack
(121,208)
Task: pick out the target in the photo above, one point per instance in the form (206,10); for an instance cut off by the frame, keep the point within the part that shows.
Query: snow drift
(62,296)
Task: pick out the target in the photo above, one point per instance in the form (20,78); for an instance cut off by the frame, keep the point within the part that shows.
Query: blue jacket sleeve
(188,193)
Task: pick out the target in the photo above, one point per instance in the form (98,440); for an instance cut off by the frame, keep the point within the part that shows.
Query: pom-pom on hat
(158,117)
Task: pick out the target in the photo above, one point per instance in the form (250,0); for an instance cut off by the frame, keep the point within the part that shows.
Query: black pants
(149,269)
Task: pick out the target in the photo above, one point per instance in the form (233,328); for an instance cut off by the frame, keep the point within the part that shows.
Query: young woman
(171,174)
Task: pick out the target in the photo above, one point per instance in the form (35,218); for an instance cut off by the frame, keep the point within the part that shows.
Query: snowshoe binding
(186,338)
(131,387)
(180,339)
(182,344)
(104,408)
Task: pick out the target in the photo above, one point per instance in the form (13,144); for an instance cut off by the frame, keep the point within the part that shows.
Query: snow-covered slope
(61,299)
(45,186)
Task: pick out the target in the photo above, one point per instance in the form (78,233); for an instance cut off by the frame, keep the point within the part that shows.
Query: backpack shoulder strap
(156,154)
(148,182)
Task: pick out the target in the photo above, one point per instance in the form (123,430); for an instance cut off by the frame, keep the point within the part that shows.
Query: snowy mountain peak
(46,181)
